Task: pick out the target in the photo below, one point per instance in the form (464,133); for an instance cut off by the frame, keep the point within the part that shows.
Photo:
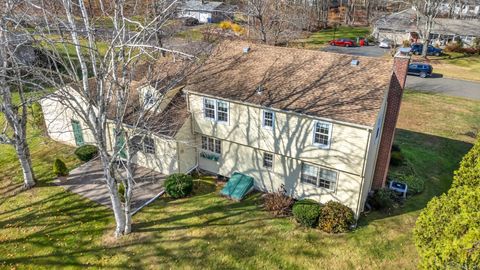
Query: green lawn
(457,65)
(322,37)
(49,228)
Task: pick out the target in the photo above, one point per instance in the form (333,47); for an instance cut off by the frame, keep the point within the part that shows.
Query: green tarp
(237,186)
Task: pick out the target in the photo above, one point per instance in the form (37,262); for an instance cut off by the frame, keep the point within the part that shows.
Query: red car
(344,42)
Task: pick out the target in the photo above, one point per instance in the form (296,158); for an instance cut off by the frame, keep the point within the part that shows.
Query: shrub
(278,203)
(469,170)
(237,29)
(383,199)
(446,233)
(396,148)
(406,43)
(396,158)
(225,25)
(336,218)
(86,152)
(59,168)
(306,212)
(37,115)
(179,185)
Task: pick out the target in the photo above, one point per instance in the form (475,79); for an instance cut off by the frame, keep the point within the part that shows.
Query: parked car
(386,43)
(420,69)
(344,42)
(418,47)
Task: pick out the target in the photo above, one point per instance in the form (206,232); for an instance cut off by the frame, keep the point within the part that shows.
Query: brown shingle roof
(309,82)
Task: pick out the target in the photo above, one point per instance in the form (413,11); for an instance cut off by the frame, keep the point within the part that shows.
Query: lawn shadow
(434,159)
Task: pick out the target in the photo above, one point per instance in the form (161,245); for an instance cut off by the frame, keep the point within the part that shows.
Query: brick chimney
(394,99)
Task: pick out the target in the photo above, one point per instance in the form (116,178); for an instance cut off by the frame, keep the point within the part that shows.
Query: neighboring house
(319,123)
(203,11)
(402,26)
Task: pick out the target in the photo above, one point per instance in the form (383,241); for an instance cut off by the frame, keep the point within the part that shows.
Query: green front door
(121,145)
(77,133)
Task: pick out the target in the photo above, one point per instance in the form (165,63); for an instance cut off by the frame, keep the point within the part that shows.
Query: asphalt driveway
(446,86)
(88,181)
(371,51)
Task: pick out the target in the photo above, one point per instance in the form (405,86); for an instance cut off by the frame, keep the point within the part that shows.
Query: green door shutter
(121,144)
(77,133)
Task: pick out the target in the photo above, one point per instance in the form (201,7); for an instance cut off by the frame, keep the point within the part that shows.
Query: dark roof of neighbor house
(406,21)
(315,83)
(199,6)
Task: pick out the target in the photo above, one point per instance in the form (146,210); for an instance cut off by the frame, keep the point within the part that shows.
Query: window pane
(321,133)
(327,179)
(211,146)
(218,146)
(267,119)
(222,111)
(204,143)
(209,108)
(267,160)
(309,174)
(149,145)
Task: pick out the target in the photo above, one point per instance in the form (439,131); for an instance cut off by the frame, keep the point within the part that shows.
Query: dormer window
(149,99)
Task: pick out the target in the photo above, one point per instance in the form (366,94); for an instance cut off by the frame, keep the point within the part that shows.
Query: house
(402,26)
(321,124)
(203,11)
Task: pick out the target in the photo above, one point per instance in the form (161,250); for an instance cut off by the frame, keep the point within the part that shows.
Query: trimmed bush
(86,152)
(383,199)
(121,192)
(179,185)
(37,114)
(306,212)
(59,168)
(447,231)
(278,203)
(336,218)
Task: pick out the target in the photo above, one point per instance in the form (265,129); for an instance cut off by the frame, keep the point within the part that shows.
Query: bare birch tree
(93,70)
(13,71)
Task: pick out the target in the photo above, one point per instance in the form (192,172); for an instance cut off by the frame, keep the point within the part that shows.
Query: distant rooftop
(198,6)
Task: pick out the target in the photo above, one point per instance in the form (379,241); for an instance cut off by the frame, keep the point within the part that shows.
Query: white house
(321,124)
(203,11)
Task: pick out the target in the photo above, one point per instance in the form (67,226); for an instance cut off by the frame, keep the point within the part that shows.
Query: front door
(77,133)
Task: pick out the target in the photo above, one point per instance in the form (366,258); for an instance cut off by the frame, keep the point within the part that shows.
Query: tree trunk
(23,153)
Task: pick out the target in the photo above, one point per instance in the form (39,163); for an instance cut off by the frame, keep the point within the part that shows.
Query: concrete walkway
(88,181)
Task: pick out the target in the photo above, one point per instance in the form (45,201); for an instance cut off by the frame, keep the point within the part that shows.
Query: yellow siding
(186,147)
(244,140)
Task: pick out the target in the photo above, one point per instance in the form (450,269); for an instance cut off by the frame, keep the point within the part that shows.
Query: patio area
(88,181)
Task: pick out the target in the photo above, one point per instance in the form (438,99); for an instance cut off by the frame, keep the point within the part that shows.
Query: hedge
(86,152)
(336,218)
(306,212)
(447,232)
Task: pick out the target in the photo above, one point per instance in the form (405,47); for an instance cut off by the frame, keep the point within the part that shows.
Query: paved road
(372,51)
(445,86)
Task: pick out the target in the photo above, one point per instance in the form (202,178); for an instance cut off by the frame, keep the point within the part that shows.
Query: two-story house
(321,124)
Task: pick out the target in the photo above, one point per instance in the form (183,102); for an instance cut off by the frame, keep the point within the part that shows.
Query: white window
(216,110)
(211,144)
(268,119)
(209,108)
(222,111)
(144,144)
(268,160)
(148,145)
(321,134)
(319,177)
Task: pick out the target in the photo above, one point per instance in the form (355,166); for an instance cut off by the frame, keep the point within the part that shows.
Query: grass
(322,37)
(457,66)
(48,227)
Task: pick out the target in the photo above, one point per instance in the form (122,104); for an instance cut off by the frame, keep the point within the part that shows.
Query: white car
(386,43)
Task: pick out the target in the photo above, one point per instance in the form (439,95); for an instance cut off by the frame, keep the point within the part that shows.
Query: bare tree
(269,18)
(13,72)
(427,11)
(93,70)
